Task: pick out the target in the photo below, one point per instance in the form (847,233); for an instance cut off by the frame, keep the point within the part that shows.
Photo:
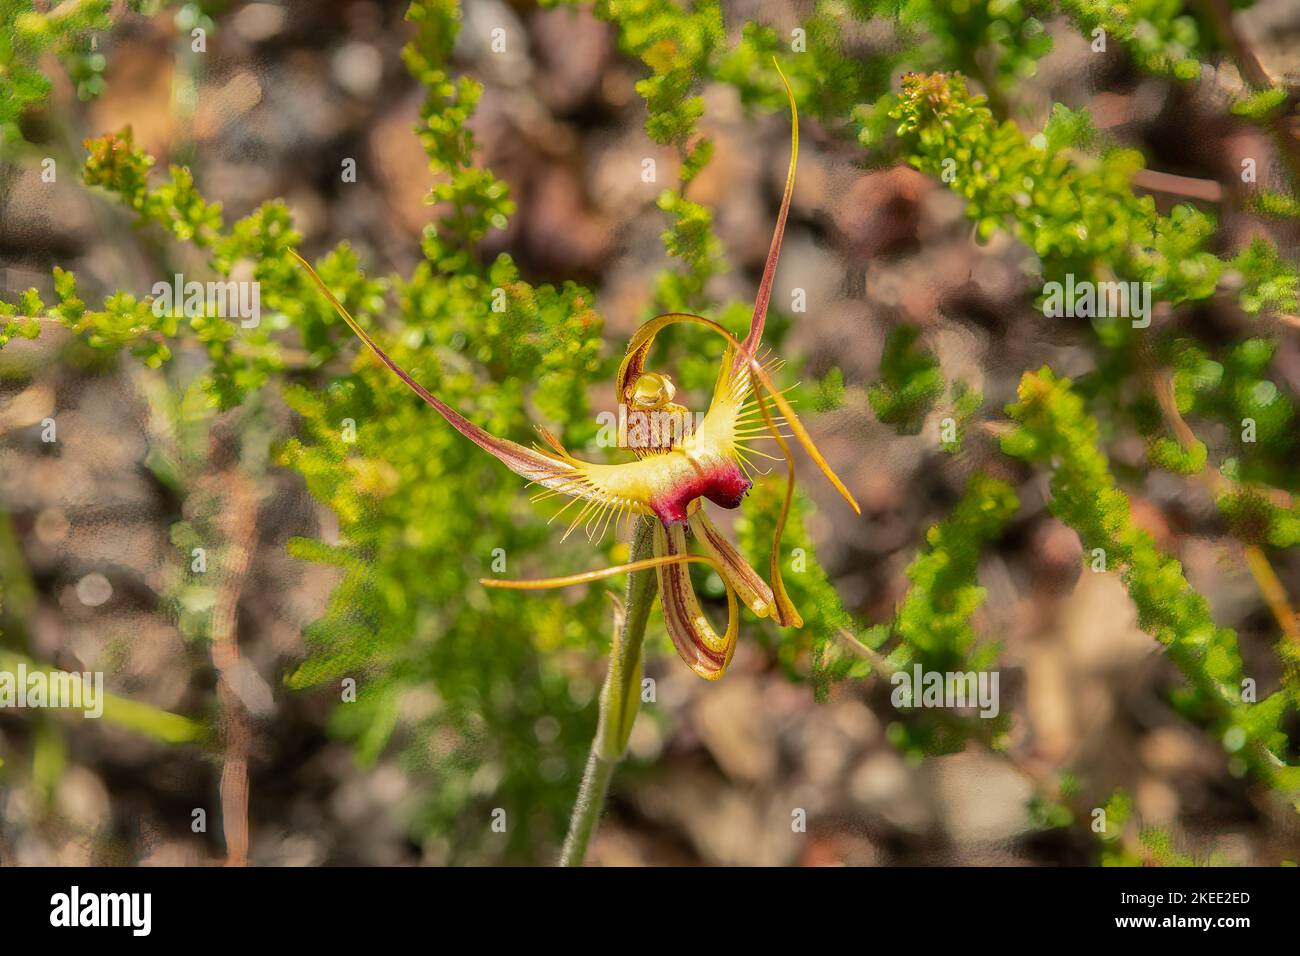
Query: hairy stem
(619,699)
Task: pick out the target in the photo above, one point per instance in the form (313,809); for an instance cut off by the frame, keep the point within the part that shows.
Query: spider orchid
(669,481)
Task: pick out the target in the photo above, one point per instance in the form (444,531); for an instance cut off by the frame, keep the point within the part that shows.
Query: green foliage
(934,621)
(676,41)
(1158,34)
(1261,105)
(910,381)
(1270,283)
(1169,454)
(933,624)
(1256,520)
(254,249)
(486,696)
(830,391)
(117,165)
(1127,842)
(1056,430)
(690,238)
(1079,219)
(1004,33)
(29,34)
(478,200)
(1274,205)
(1237,392)
(467,685)
(829,76)
(421,513)
(809,587)
(965,405)
(1082,219)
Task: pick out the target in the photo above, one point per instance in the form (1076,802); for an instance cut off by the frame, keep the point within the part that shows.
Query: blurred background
(94,537)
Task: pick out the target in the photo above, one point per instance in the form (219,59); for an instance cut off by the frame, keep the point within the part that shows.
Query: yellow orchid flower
(669,478)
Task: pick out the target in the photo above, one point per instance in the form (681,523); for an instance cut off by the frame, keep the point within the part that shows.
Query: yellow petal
(747,582)
(784,613)
(715,426)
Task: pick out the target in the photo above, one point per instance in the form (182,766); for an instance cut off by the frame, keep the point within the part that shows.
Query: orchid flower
(670,481)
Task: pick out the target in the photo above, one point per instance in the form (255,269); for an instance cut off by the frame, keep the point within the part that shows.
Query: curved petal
(699,645)
(747,582)
(528,462)
(704,650)
(717,432)
(783,612)
(719,422)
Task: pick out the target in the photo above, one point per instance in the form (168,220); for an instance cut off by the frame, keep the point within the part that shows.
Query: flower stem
(619,699)
(586,811)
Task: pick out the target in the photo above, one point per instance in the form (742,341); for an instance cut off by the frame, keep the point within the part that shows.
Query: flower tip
(709,673)
(789,617)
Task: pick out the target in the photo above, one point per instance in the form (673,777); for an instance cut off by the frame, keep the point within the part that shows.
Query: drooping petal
(717,434)
(747,582)
(784,611)
(704,650)
(699,645)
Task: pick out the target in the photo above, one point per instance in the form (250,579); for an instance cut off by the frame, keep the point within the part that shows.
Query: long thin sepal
(527,462)
(764,296)
(637,350)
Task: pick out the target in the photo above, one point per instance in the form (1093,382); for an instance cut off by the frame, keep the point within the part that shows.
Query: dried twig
(239,524)
(1257,562)
(1207,190)
(1257,78)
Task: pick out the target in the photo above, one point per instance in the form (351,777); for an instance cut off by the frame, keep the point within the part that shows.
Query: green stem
(619,699)
(587,809)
